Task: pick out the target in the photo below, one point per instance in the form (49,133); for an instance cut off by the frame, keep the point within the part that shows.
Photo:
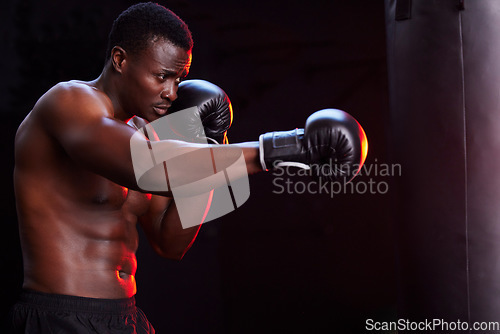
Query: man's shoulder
(75,96)
(66,105)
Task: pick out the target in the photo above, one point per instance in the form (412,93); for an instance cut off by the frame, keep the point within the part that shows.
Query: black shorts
(38,312)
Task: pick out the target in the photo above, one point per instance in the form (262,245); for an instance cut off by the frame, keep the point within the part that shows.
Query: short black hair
(135,27)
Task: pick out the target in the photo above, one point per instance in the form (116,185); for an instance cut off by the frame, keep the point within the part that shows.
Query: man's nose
(169,92)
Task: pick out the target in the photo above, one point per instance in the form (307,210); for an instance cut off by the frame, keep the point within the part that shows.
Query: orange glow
(364,146)
(230,112)
(209,203)
(225,139)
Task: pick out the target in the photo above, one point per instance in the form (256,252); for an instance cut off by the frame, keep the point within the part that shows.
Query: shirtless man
(77,197)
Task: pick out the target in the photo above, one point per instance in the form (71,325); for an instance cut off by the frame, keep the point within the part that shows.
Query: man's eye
(162,76)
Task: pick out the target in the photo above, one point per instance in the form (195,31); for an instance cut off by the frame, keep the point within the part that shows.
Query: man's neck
(107,83)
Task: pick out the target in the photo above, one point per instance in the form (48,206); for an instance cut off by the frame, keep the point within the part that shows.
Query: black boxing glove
(213,107)
(332,143)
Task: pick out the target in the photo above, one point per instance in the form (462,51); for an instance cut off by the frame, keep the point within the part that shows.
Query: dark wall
(282,262)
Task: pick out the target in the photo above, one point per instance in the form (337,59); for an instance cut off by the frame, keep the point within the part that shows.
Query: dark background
(282,263)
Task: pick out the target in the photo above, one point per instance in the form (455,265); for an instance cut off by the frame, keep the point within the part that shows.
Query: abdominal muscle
(88,253)
(87,268)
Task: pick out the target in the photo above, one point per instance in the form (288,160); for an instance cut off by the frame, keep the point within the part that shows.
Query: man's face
(150,79)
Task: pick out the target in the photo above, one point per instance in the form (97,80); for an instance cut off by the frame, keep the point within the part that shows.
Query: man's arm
(81,120)
(164,230)
(84,126)
(163,226)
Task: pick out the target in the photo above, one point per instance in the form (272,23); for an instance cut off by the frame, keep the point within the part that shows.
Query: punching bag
(444,86)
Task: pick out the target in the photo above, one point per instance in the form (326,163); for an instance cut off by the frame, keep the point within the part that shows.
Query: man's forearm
(251,154)
(173,241)
(163,165)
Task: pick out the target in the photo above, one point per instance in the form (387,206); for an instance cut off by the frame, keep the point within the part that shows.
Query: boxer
(77,195)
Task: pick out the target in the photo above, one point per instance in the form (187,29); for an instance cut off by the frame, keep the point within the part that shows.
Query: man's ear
(118,58)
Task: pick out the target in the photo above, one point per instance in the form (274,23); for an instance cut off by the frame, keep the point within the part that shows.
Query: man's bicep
(151,221)
(104,148)
(89,136)
(157,208)
(164,228)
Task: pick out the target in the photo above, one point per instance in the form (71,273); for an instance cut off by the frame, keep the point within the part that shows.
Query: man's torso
(78,229)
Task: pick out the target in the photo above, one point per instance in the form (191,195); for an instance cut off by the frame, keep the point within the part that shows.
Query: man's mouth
(161,109)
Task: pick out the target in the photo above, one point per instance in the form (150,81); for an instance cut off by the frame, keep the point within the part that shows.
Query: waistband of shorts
(76,303)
